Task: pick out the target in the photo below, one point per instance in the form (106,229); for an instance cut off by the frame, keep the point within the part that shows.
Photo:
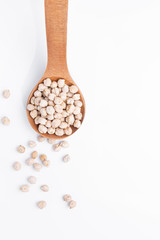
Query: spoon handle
(56,12)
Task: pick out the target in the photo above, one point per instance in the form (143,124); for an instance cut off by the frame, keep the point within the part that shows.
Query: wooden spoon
(56,12)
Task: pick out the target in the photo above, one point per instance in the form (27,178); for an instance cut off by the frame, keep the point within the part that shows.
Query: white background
(114,174)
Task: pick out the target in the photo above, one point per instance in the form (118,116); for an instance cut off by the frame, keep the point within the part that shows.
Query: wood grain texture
(56,14)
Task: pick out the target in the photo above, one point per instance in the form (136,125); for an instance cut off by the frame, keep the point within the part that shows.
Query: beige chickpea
(43,112)
(6,93)
(51,141)
(36,120)
(32,144)
(33,100)
(37,93)
(50,117)
(68,131)
(43,103)
(56,122)
(58,108)
(42,120)
(34,154)
(37,166)
(24,188)
(48,124)
(70,101)
(70,119)
(66,158)
(42,204)
(58,100)
(45,188)
(77,110)
(42,129)
(50,103)
(5,121)
(41,87)
(73,89)
(51,96)
(43,157)
(32,180)
(65,89)
(72,204)
(76,96)
(17,166)
(61,83)
(21,149)
(46,163)
(70,108)
(78,103)
(59,132)
(77,124)
(78,116)
(58,115)
(63,125)
(37,101)
(69,94)
(57,147)
(64,144)
(29,161)
(50,110)
(63,96)
(33,114)
(67,198)
(47,82)
(30,107)
(54,84)
(64,114)
(46,93)
(41,139)
(51,130)
(63,105)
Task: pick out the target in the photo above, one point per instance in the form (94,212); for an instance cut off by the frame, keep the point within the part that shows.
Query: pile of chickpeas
(37,165)
(56,107)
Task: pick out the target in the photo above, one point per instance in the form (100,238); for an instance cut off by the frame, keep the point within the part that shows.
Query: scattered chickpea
(72,204)
(17,166)
(66,158)
(43,157)
(42,204)
(57,147)
(32,180)
(45,188)
(67,198)
(30,161)
(32,144)
(21,149)
(64,144)
(37,167)
(41,139)
(46,163)
(34,154)
(5,121)
(24,188)
(6,93)
(51,141)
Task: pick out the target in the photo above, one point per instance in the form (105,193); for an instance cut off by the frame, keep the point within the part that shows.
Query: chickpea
(42,204)
(67,198)
(45,188)
(41,139)
(34,154)
(43,157)
(21,149)
(32,180)
(24,188)
(17,166)
(32,144)
(6,93)
(72,204)
(37,167)
(30,161)
(5,121)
